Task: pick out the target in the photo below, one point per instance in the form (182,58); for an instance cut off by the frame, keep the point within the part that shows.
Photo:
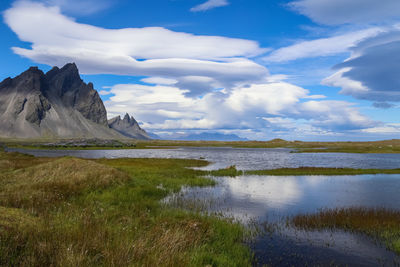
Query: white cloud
(210,4)
(349,87)
(263,108)
(322,47)
(335,12)
(272,98)
(371,72)
(152,51)
(80,7)
(334,115)
(194,82)
(389,128)
(104,92)
(159,80)
(28,19)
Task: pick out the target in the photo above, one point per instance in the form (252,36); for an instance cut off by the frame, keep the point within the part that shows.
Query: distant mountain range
(58,104)
(210,136)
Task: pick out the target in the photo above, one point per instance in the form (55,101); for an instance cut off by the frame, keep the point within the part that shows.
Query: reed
(380,223)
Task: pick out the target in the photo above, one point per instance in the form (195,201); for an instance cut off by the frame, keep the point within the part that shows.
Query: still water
(271,200)
(243,158)
(268,200)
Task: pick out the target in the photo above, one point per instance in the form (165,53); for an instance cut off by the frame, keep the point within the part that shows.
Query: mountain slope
(128,127)
(57,104)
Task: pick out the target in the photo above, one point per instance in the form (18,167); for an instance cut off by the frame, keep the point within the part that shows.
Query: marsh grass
(386,146)
(75,212)
(230,171)
(309,171)
(321,171)
(380,223)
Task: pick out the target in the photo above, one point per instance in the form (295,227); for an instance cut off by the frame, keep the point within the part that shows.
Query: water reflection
(274,197)
(270,199)
(243,158)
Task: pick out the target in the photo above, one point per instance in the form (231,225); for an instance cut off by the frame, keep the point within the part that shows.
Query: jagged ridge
(55,104)
(128,126)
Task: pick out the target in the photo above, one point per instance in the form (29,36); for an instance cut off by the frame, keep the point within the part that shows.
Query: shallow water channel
(268,200)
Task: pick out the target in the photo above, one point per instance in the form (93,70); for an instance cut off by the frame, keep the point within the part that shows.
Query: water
(267,200)
(271,199)
(243,158)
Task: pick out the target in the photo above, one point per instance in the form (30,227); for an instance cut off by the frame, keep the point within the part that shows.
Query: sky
(325,70)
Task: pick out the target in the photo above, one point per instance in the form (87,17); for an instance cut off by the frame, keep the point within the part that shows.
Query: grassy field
(75,212)
(233,172)
(378,223)
(321,171)
(387,146)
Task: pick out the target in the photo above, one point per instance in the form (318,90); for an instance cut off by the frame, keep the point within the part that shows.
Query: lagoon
(242,158)
(268,201)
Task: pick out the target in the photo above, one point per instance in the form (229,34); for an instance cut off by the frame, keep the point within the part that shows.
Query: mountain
(154,136)
(57,104)
(128,127)
(207,136)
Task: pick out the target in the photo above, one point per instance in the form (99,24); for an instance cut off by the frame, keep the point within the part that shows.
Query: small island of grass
(233,172)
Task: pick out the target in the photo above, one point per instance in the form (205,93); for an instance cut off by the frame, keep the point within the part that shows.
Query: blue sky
(304,69)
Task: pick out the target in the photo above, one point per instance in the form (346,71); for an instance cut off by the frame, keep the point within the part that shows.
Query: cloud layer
(260,108)
(372,71)
(152,51)
(80,7)
(335,12)
(191,82)
(322,47)
(210,4)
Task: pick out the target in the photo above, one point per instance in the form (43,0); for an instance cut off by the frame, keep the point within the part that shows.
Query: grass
(386,146)
(378,223)
(75,212)
(233,172)
(321,171)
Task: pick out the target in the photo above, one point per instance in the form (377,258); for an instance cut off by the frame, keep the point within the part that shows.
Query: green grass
(75,212)
(386,146)
(378,223)
(320,171)
(233,172)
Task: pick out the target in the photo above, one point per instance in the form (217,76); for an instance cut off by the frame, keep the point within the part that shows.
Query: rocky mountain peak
(128,126)
(57,103)
(129,120)
(65,79)
(65,84)
(34,69)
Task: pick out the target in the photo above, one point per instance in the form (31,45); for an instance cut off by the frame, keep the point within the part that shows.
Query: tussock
(44,184)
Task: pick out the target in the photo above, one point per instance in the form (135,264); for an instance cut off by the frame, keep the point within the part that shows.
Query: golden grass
(42,185)
(75,212)
(14,161)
